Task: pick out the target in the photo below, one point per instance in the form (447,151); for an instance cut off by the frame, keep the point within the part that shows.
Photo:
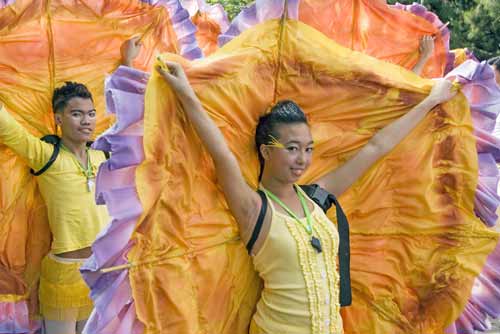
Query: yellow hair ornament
(275,142)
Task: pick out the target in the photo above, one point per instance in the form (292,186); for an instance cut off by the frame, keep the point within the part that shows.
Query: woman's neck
(277,187)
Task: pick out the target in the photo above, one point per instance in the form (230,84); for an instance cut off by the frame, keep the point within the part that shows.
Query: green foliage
(474,24)
(232,7)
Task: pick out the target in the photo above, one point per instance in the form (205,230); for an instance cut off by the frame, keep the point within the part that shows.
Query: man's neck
(79,149)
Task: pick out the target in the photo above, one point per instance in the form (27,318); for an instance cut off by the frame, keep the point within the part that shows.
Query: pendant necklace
(315,242)
(89,174)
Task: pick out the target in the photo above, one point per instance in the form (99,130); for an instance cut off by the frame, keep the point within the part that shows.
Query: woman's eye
(292,148)
(309,149)
(92,114)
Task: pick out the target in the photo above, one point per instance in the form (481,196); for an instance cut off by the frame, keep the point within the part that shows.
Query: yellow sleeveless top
(301,286)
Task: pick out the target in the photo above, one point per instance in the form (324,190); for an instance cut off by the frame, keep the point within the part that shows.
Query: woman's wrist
(429,102)
(189,99)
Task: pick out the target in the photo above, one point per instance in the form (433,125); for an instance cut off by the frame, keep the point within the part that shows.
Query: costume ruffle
(114,307)
(14,318)
(171,282)
(361,25)
(461,55)
(185,30)
(210,22)
(483,94)
(423,12)
(39,52)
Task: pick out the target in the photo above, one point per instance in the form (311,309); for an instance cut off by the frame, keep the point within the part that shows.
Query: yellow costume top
(301,286)
(74,218)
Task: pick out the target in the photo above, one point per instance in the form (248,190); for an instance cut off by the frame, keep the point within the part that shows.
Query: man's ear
(58,118)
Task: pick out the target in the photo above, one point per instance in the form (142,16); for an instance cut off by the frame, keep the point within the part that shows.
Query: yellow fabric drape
(42,45)
(416,244)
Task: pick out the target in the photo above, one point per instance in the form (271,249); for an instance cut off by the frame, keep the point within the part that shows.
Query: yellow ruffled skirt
(63,294)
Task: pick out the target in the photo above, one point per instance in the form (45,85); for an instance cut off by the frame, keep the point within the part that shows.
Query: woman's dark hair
(283,112)
(68,91)
(495,61)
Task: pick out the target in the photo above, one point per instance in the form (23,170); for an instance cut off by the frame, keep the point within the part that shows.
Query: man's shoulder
(98,155)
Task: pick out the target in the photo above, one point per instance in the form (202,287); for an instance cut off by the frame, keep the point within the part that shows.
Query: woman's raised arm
(337,181)
(243,201)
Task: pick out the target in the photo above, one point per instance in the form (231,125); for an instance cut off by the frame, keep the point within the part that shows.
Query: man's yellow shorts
(63,294)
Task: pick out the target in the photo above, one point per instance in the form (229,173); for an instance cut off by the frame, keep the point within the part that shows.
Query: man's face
(77,120)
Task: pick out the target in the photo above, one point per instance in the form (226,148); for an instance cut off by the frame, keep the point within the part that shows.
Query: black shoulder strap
(56,141)
(260,221)
(344,255)
(325,200)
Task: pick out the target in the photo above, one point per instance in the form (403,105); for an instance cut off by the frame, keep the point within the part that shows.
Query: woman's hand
(426,47)
(442,91)
(129,50)
(177,79)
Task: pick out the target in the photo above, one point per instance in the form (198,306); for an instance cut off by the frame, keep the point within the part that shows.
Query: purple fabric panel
(486,290)
(423,12)
(115,296)
(483,94)
(114,310)
(5,3)
(470,320)
(126,150)
(183,27)
(14,318)
(215,12)
(256,13)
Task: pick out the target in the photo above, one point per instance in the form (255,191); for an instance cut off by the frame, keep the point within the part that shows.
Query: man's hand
(130,50)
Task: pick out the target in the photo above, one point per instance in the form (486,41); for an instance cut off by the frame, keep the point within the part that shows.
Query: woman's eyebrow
(298,142)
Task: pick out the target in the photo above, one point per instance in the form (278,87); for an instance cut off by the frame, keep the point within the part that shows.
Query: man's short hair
(68,91)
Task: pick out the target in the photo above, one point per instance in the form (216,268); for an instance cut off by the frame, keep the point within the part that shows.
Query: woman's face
(289,160)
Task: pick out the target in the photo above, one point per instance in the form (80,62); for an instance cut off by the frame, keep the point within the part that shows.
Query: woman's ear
(264,151)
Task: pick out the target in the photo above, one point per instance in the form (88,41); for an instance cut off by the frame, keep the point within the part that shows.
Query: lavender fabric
(14,318)
(257,12)
(184,29)
(422,11)
(114,310)
(483,94)
(216,12)
(5,3)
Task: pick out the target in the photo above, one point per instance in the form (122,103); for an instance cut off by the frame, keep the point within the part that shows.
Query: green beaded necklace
(315,242)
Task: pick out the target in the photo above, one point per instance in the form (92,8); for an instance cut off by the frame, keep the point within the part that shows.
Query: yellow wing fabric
(416,243)
(42,45)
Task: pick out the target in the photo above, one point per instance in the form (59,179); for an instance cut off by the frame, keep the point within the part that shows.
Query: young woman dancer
(295,252)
